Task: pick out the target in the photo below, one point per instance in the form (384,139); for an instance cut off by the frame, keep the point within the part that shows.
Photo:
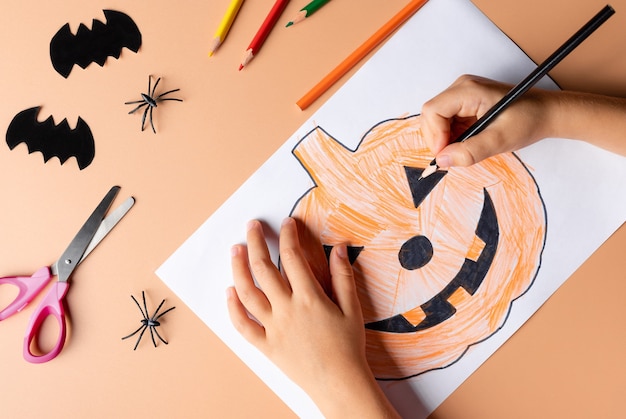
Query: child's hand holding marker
(597,119)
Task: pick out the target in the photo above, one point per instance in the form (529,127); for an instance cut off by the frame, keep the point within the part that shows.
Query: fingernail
(234,250)
(230,292)
(251,224)
(287,221)
(444,160)
(342,251)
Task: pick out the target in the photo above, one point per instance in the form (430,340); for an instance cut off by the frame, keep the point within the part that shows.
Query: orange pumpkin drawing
(439,261)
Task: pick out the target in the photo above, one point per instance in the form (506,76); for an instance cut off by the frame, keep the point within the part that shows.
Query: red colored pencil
(263,32)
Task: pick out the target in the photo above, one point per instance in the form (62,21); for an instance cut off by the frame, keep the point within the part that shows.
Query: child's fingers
(494,140)
(252,298)
(469,96)
(265,272)
(436,127)
(252,331)
(466,153)
(344,287)
(293,261)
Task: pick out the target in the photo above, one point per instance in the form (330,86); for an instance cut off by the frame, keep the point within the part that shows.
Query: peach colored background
(567,361)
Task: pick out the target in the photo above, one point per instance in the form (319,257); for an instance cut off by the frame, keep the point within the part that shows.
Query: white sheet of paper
(584,190)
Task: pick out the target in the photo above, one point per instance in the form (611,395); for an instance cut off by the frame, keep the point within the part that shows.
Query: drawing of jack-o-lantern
(439,260)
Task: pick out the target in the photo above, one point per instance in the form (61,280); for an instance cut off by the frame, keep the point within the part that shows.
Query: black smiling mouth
(417,251)
(469,277)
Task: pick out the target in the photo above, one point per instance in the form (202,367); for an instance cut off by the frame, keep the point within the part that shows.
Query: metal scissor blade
(74,252)
(105,227)
(108,223)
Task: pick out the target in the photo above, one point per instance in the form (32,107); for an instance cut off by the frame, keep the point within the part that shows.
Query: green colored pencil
(307,11)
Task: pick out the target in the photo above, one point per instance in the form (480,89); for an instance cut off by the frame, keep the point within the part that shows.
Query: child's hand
(448,114)
(317,341)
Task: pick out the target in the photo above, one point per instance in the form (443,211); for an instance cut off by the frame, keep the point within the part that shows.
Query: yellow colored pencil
(225,24)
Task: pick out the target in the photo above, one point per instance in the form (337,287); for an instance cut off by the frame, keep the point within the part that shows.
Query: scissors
(90,234)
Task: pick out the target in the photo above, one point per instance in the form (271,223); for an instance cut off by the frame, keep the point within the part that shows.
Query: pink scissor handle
(29,287)
(52,305)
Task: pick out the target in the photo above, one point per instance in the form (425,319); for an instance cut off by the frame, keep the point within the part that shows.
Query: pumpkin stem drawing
(438,261)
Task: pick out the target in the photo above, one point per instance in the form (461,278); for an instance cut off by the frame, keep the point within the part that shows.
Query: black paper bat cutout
(95,44)
(52,140)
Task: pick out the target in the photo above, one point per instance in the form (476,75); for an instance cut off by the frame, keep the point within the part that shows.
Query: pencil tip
(432,168)
(302,14)
(246,58)
(289,24)
(215,43)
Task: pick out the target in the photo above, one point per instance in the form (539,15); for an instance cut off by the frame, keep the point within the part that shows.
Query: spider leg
(152,336)
(151,123)
(149,81)
(134,333)
(140,336)
(159,336)
(166,93)
(161,98)
(143,121)
(178,100)
(156,311)
(162,314)
(137,108)
(155,86)
(143,295)
(145,315)
(135,101)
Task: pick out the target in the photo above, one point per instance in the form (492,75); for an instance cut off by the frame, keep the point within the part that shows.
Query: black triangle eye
(353,252)
(421,187)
